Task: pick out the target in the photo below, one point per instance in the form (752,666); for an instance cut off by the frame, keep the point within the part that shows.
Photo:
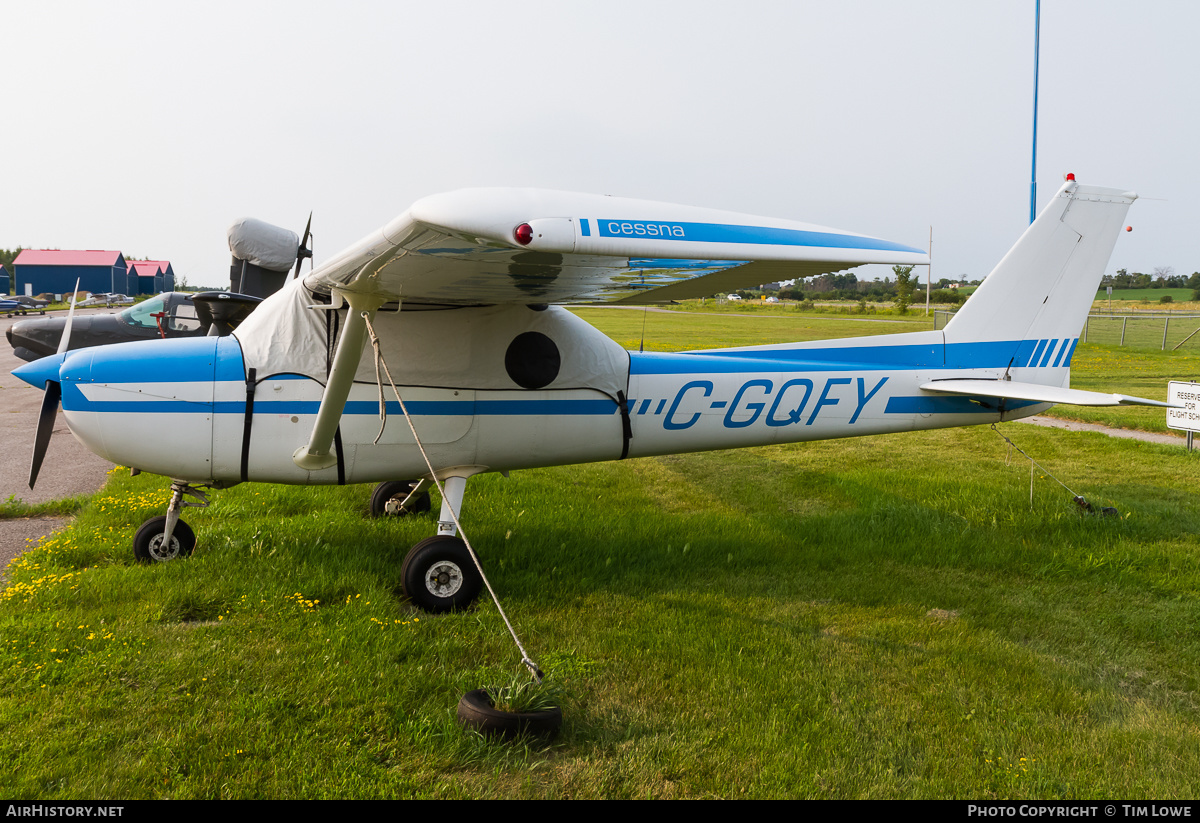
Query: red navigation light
(1070,176)
(523,234)
(1129,228)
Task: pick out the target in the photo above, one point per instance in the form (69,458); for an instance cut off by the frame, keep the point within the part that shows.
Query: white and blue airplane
(461,298)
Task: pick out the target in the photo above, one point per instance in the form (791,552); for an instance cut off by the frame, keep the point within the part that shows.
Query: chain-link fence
(1144,330)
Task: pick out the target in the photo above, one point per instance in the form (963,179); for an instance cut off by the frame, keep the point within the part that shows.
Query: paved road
(68,469)
(1075,425)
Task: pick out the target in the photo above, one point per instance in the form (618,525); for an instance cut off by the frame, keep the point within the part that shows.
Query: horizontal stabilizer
(1038,393)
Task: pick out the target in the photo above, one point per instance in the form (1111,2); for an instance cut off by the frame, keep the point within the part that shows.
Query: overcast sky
(149,127)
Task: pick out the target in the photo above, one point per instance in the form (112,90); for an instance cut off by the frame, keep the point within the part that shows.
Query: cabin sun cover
(469,347)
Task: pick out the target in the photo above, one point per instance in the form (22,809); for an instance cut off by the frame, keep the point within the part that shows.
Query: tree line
(847,286)
(7,256)
(1163,277)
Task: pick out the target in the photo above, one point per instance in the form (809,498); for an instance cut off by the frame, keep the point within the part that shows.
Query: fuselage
(186,408)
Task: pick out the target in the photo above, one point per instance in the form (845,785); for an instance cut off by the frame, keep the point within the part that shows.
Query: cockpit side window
(184,318)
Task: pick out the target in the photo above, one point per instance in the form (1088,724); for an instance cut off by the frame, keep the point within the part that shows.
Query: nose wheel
(151,546)
(167,537)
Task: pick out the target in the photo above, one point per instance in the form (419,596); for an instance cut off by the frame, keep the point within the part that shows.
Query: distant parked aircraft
(172,314)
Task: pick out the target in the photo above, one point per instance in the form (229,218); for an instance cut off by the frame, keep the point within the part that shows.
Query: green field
(690,326)
(1152,295)
(878,617)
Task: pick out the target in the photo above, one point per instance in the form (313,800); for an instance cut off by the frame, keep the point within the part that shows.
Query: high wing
(494,246)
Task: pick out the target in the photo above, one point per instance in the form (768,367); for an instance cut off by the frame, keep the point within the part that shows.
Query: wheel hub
(163,554)
(444,579)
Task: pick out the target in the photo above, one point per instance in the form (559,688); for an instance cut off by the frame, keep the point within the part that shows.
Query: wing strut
(316,455)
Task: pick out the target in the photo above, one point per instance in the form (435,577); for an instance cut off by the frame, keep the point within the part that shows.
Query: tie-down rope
(379,361)
(1078,499)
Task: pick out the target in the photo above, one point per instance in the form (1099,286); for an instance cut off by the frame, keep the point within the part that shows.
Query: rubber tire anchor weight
(476,711)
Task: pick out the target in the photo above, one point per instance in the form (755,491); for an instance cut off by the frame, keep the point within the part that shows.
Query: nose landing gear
(151,544)
(165,538)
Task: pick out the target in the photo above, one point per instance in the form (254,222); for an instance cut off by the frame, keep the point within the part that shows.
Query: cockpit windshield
(142,314)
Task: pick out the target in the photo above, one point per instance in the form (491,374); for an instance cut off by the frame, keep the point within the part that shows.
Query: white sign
(1188,396)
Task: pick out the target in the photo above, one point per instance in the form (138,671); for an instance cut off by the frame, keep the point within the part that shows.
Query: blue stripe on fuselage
(952,405)
(74,400)
(992,355)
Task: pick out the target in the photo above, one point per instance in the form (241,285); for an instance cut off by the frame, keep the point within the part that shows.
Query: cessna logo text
(618,228)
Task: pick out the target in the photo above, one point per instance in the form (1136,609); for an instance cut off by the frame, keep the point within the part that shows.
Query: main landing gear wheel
(388,499)
(148,542)
(440,576)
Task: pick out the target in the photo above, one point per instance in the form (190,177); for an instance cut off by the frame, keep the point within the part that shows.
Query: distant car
(20,304)
(734,297)
(171,314)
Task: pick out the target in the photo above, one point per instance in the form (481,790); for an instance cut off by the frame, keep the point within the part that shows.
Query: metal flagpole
(1037,26)
(929,271)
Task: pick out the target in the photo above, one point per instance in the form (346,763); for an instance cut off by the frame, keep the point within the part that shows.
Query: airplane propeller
(222,311)
(304,249)
(51,399)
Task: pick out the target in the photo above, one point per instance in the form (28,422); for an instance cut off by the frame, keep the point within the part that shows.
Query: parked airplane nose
(147,405)
(32,339)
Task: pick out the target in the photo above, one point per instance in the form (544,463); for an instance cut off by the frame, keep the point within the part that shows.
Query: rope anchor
(1078,499)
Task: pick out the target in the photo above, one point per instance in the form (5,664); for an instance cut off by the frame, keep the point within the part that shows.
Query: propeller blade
(66,335)
(45,427)
(303,251)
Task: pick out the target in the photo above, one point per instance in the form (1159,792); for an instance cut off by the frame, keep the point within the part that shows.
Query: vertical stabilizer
(1038,296)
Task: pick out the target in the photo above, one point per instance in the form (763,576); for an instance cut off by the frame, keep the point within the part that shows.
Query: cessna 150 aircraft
(459,296)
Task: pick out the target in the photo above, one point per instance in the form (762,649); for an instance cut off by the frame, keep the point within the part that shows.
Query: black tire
(387,497)
(147,543)
(439,575)
(475,711)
